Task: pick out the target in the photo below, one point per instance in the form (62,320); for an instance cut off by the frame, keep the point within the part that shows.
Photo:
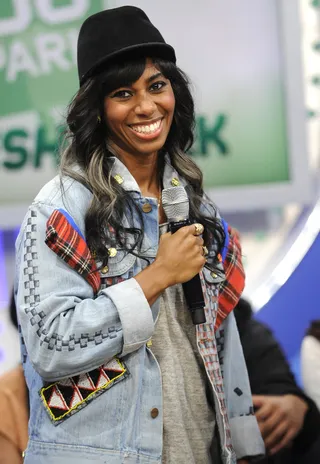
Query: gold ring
(198,229)
(205,251)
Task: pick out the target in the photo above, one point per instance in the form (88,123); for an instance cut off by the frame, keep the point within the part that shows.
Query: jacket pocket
(214,276)
(120,267)
(68,396)
(119,264)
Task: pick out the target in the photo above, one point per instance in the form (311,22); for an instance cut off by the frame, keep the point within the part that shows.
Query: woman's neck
(144,168)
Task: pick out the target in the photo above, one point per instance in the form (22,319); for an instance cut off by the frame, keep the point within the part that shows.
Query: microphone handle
(193,288)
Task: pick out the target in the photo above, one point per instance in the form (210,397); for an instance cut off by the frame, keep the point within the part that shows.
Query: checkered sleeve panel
(66,327)
(231,289)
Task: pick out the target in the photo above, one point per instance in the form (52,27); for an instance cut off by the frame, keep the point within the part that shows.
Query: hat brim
(150,49)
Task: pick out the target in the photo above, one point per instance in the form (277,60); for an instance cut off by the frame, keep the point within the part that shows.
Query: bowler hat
(115,33)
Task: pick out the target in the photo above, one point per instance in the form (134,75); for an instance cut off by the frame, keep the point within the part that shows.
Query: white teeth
(147,129)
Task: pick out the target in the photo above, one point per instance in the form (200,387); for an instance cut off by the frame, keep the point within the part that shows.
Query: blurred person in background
(116,369)
(310,361)
(14,410)
(289,420)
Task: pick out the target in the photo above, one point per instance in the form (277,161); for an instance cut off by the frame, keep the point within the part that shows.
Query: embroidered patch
(232,287)
(65,239)
(68,396)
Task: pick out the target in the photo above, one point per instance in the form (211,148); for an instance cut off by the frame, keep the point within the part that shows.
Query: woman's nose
(145,106)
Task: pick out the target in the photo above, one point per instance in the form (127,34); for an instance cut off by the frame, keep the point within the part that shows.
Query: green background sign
(234,60)
(37,79)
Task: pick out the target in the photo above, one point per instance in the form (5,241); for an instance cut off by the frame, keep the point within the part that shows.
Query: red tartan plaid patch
(69,245)
(232,288)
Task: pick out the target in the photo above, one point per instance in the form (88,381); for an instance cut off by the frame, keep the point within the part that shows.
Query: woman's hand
(280,419)
(180,257)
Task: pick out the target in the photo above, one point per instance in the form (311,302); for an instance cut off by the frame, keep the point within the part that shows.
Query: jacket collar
(123,176)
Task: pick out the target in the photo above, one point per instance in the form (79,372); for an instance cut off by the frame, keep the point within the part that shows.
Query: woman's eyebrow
(148,80)
(154,76)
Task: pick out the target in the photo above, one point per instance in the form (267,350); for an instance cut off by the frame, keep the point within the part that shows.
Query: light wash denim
(56,305)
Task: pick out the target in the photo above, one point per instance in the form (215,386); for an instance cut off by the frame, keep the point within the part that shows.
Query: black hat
(119,31)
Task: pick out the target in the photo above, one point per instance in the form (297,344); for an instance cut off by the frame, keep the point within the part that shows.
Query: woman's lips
(147,131)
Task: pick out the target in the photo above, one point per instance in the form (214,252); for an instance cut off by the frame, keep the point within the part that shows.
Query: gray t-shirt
(188,417)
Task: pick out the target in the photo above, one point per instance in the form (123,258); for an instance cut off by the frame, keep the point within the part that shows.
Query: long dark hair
(88,148)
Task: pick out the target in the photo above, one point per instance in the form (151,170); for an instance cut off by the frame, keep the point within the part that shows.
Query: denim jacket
(95,385)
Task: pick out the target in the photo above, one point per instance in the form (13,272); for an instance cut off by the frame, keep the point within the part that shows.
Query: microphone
(175,203)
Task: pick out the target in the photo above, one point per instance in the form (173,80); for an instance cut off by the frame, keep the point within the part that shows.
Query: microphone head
(175,203)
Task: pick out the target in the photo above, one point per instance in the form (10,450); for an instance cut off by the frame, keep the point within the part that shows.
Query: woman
(99,295)
(288,419)
(310,362)
(13,409)
(14,416)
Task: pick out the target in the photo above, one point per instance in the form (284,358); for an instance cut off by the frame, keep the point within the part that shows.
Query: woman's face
(139,117)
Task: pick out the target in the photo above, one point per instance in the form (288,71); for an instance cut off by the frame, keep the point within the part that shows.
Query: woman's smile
(147,131)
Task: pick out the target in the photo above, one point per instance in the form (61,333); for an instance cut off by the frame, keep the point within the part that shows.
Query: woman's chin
(149,147)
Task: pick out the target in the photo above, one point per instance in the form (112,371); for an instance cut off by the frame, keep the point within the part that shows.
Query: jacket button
(146,208)
(112,252)
(214,275)
(105,269)
(154,413)
(175,182)
(118,179)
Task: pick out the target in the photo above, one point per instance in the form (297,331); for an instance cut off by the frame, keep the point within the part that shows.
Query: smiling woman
(108,341)
(111,116)
(139,117)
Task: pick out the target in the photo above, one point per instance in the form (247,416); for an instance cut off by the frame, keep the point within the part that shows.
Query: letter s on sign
(63,14)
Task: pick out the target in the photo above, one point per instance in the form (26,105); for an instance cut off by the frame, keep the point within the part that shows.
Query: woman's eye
(121,94)
(158,86)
